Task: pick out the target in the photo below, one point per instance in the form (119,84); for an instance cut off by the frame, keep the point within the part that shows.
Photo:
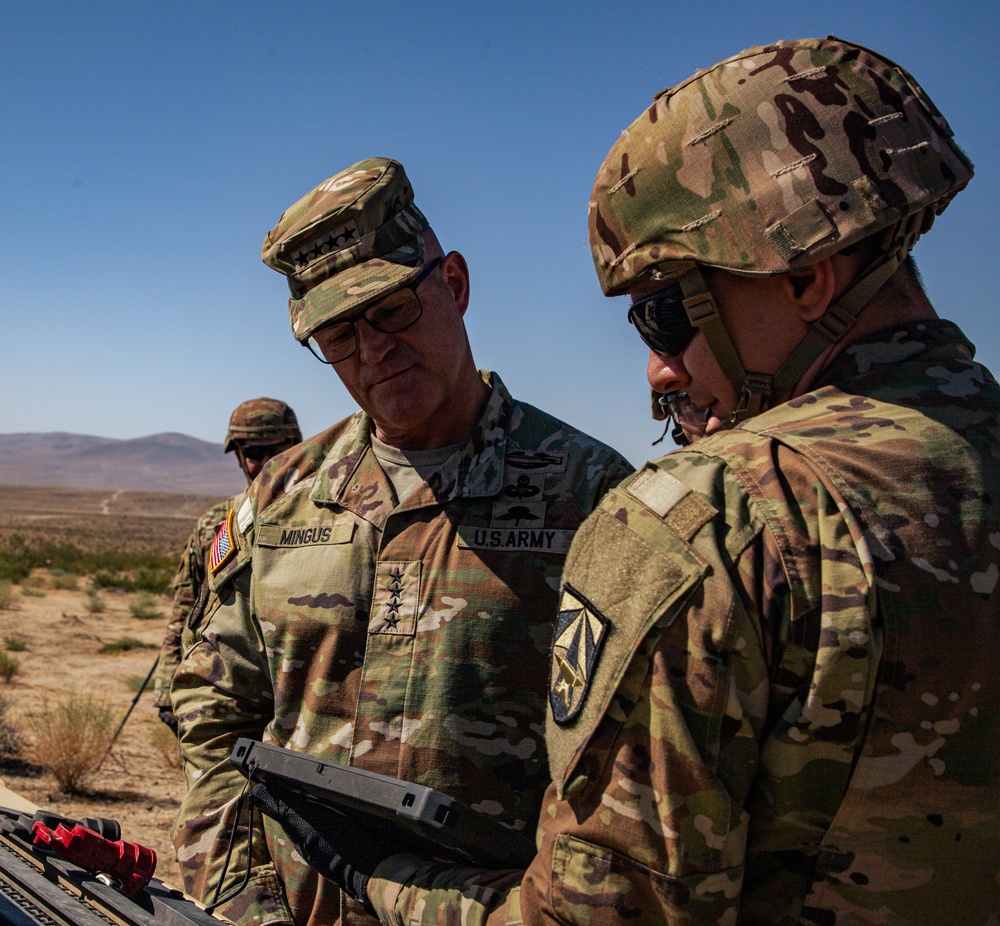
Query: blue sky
(146,148)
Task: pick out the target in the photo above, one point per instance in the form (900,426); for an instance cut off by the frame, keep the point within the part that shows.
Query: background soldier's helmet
(262,420)
(771,160)
(345,244)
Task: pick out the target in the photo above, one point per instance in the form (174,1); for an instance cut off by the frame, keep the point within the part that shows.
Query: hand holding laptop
(333,849)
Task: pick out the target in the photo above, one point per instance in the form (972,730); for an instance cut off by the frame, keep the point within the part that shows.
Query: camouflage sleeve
(613,470)
(411,889)
(186,584)
(222,691)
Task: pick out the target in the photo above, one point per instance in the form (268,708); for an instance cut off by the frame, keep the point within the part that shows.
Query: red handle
(128,863)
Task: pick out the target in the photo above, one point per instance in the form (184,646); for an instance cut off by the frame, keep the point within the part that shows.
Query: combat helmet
(770,161)
(262,420)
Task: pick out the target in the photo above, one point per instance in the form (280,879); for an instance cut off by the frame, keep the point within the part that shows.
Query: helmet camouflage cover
(771,160)
(262,420)
(347,243)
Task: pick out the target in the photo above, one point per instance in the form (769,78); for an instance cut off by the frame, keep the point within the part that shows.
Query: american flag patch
(223,546)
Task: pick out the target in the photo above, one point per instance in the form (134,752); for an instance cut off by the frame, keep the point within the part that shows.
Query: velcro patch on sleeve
(224,546)
(622,585)
(682,510)
(244,517)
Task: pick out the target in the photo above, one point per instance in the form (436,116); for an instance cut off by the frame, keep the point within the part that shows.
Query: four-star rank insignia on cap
(576,644)
(224,545)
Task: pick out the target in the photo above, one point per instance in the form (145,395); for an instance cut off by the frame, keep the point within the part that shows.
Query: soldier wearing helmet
(258,430)
(388,588)
(786,707)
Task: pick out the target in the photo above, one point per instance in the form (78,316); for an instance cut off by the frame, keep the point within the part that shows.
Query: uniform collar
(351,477)
(891,346)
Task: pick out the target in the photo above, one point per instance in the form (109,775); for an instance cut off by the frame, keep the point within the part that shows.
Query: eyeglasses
(662,321)
(395,313)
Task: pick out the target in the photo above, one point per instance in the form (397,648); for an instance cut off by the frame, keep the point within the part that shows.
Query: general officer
(786,707)
(258,430)
(389,589)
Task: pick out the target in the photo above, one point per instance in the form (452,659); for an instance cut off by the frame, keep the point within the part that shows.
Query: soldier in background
(788,708)
(389,598)
(258,430)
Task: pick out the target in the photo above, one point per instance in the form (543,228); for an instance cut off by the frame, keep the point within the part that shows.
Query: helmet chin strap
(757,390)
(834,323)
(753,388)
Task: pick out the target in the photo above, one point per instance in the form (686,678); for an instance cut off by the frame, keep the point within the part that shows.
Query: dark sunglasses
(259,453)
(662,321)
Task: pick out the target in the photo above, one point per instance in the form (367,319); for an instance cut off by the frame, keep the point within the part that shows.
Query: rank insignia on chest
(579,634)
(223,547)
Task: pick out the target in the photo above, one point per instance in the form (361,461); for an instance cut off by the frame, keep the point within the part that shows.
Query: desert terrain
(58,641)
(99,519)
(166,462)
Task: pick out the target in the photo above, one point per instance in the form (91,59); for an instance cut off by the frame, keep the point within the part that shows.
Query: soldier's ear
(455,274)
(811,289)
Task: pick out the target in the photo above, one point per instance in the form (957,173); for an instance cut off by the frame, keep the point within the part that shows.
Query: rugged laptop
(424,820)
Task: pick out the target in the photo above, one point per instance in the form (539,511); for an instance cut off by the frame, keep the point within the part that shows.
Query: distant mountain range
(158,463)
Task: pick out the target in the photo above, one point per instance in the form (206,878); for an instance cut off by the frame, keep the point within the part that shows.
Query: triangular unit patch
(579,634)
(224,545)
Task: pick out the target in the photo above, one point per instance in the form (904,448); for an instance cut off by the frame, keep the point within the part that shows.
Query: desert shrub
(16,561)
(94,603)
(116,568)
(142,579)
(30,591)
(64,580)
(15,644)
(69,738)
(134,682)
(164,742)
(144,608)
(103,579)
(7,597)
(124,645)
(9,667)
(10,739)
(154,581)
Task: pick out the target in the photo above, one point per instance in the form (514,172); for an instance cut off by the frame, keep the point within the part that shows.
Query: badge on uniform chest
(518,518)
(396,599)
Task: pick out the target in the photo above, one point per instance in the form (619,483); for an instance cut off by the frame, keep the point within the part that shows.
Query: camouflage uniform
(787,722)
(255,420)
(772,693)
(408,639)
(187,585)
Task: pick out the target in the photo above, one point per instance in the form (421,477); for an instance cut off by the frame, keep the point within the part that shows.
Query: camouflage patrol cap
(262,420)
(353,239)
(771,160)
